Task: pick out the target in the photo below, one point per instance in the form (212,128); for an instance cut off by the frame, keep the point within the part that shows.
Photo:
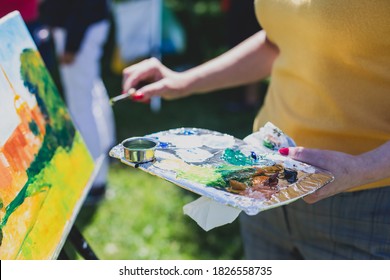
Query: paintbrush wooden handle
(122,96)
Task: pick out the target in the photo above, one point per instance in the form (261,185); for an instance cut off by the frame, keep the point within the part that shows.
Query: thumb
(314,157)
(311,156)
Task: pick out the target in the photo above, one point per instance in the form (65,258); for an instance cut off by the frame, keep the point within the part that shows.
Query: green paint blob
(238,173)
(201,174)
(268,144)
(216,177)
(34,128)
(15,203)
(236,157)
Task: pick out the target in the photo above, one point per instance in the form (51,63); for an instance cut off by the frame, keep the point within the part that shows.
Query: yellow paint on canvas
(67,173)
(21,222)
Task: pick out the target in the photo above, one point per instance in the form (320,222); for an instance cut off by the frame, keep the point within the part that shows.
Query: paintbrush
(122,96)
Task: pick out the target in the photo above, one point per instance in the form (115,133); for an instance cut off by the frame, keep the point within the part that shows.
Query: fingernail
(284,151)
(138,96)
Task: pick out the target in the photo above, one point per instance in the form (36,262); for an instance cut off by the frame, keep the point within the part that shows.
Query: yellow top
(330,86)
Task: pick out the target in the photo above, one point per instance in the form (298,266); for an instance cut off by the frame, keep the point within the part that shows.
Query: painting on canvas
(45,167)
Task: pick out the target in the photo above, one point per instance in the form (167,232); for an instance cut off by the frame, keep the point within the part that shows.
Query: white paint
(193,155)
(218,141)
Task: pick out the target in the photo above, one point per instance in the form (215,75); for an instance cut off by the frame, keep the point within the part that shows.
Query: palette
(246,174)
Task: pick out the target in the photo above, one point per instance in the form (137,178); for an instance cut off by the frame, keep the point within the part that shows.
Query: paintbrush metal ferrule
(122,96)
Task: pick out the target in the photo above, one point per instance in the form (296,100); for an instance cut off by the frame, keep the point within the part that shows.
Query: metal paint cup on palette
(139,149)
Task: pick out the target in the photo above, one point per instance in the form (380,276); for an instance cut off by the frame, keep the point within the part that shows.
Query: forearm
(375,165)
(248,62)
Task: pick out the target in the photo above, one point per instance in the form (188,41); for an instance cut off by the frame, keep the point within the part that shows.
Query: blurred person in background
(80,29)
(329,90)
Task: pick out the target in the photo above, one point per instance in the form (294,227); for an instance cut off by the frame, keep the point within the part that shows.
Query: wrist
(369,168)
(190,84)
(360,174)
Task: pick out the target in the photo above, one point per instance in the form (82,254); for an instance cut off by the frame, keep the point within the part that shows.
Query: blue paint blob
(253,155)
(163,145)
(184,131)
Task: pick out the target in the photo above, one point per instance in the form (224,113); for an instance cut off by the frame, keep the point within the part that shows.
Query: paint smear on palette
(165,155)
(200,174)
(218,141)
(182,141)
(185,131)
(210,176)
(193,155)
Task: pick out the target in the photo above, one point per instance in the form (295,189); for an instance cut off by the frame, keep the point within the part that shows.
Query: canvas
(45,166)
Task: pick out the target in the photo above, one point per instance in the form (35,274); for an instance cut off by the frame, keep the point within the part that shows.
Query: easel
(81,246)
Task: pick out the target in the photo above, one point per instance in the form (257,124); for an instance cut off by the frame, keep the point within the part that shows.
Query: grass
(142,216)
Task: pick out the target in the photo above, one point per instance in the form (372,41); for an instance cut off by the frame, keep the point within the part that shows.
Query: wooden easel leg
(80,245)
(63,255)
